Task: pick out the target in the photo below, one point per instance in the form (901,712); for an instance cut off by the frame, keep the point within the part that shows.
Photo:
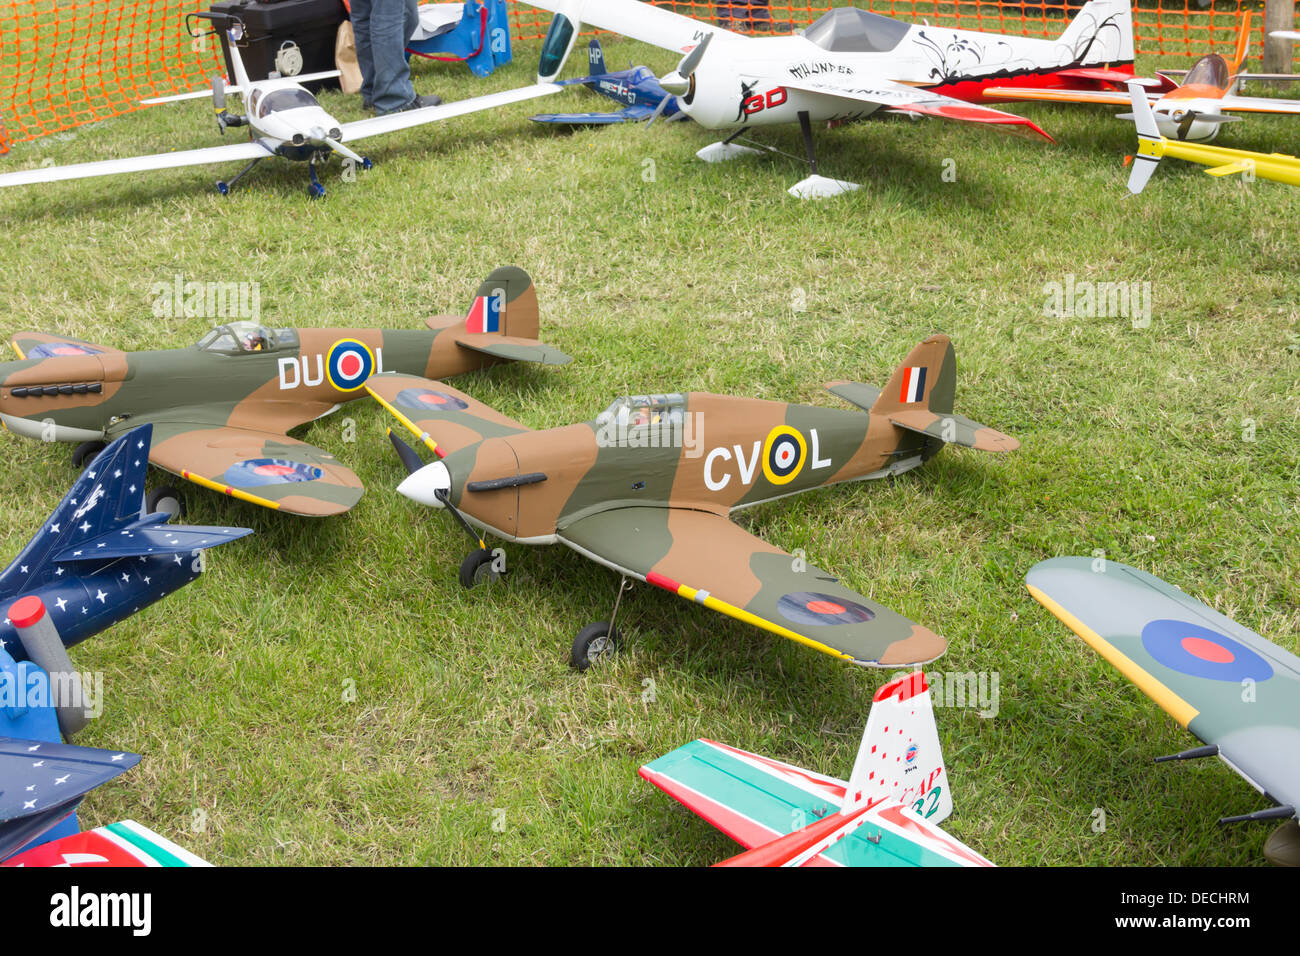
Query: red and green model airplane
(886,814)
(648,488)
(221,410)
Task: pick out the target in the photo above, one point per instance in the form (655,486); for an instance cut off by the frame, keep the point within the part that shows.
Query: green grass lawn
(469,740)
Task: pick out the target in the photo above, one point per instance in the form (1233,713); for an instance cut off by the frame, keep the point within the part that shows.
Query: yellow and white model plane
(1222,161)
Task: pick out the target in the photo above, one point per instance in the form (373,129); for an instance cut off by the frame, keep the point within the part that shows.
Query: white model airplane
(1191,111)
(848,64)
(284,120)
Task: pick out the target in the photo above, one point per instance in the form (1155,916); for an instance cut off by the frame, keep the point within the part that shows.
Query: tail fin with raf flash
(503,320)
(919,398)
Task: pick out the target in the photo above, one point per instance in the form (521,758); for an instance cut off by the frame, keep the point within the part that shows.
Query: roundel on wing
(1200,652)
(784,452)
(269,471)
(819,610)
(59,349)
(349,364)
(428,399)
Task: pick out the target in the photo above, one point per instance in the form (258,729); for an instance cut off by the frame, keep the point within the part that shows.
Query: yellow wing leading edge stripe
(232,492)
(722,607)
(410,425)
(1171,703)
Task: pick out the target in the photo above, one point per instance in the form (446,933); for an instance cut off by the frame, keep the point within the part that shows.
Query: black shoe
(419,103)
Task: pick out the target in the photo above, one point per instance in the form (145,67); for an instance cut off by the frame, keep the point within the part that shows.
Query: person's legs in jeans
(391,23)
(365,60)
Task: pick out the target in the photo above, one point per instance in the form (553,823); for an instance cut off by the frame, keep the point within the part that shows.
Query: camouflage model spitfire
(221,409)
(1237,692)
(646,489)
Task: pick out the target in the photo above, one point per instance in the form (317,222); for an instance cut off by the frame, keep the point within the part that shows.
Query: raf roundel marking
(269,471)
(349,364)
(784,453)
(910,756)
(428,399)
(820,610)
(1200,652)
(57,349)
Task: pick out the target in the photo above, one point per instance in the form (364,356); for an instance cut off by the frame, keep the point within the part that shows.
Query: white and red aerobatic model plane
(847,65)
(886,814)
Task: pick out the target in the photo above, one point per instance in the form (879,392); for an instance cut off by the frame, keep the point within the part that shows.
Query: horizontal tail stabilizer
(855,393)
(954,429)
(513,349)
(46,780)
(148,536)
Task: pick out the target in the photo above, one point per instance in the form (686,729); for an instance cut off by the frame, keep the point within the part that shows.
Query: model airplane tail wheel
(595,642)
(166,499)
(1282,848)
(85,453)
(477,568)
(223,187)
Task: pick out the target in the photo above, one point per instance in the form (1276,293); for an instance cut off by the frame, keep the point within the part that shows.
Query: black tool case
(270,27)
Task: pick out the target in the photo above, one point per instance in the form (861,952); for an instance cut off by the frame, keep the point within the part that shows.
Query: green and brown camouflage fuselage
(647,488)
(227,403)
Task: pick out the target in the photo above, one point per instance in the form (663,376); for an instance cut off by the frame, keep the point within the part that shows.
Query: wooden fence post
(1278,15)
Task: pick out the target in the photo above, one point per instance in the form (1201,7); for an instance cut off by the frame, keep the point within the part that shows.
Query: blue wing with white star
(103,517)
(146,538)
(99,559)
(41,782)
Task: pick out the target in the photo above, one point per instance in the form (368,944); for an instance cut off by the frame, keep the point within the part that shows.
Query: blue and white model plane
(637,88)
(97,559)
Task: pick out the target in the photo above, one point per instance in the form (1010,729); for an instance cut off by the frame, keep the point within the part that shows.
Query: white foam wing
(136,164)
(392,122)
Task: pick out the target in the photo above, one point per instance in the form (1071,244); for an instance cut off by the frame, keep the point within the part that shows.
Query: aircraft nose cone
(675,83)
(423,485)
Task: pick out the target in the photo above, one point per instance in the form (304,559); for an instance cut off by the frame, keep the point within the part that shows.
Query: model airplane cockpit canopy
(850,30)
(236,338)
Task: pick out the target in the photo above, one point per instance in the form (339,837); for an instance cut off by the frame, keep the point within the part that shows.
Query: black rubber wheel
(167,499)
(477,569)
(595,642)
(85,453)
(1282,848)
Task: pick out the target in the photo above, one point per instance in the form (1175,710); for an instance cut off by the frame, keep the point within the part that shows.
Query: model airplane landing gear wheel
(600,640)
(595,642)
(223,186)
(477,569)
(314,189)
(85,453)
(166,499)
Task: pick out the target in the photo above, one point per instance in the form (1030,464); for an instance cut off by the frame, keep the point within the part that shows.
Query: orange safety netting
(64,63)
(1182,28)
